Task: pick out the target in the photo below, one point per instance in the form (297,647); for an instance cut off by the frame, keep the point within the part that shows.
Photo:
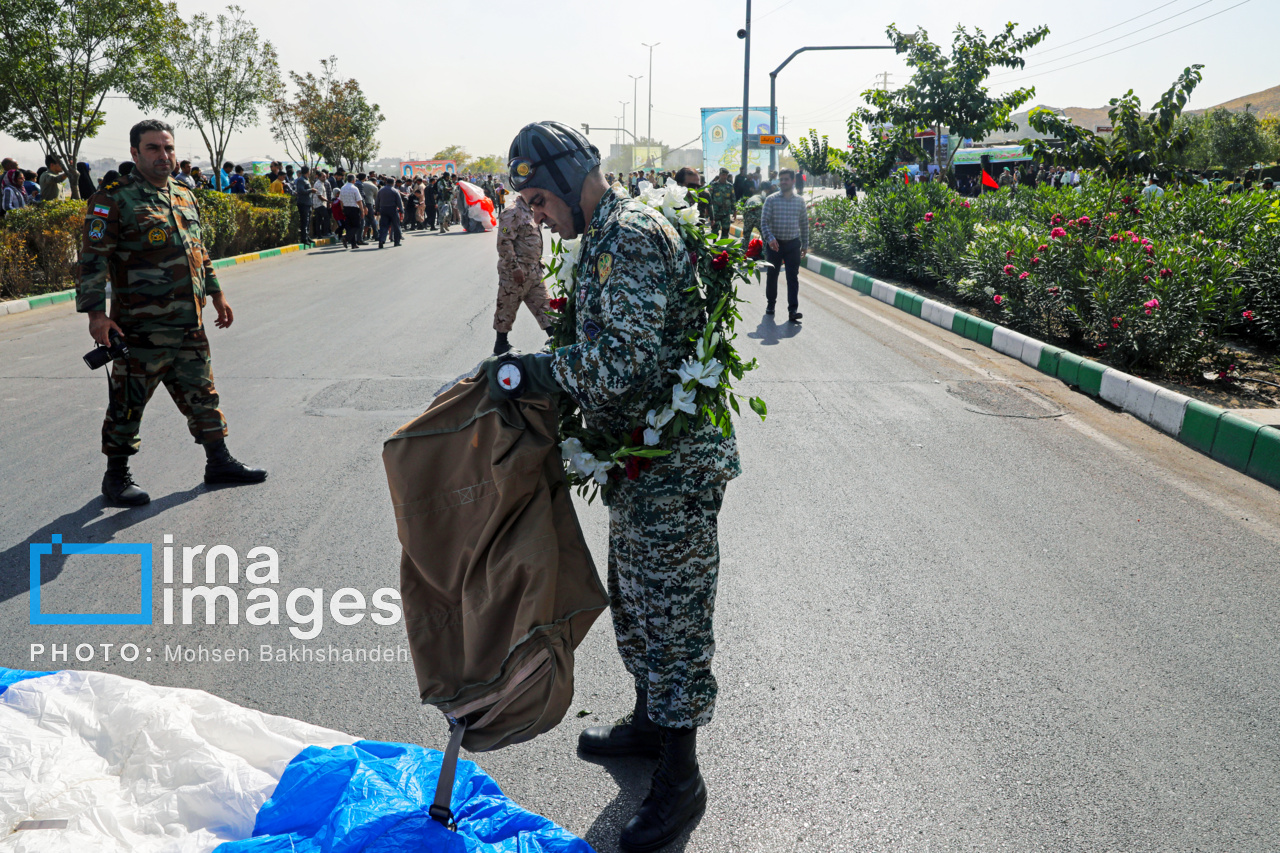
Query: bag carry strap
(441,810)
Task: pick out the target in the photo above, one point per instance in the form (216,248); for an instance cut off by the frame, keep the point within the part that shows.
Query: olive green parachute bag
(496,581)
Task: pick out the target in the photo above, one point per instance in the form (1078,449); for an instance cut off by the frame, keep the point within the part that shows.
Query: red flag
(906,178)
(988,181)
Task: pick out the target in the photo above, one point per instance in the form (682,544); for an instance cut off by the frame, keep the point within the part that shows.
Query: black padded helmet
(552,156)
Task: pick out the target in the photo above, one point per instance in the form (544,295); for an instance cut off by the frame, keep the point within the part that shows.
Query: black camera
(100,355)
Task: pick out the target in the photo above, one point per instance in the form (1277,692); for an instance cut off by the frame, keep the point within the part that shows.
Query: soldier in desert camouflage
(143,234)
(519,272)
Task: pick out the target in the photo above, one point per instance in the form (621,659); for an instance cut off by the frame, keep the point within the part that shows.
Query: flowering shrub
(1156,285)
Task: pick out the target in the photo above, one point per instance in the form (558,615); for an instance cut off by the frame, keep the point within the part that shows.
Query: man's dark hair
(351,178)
(146,126)
(226,165)
(303,170)
(360,177)
(239,170)
(288,170)
(684,173)
(791,172)
(50,159)
(184,163)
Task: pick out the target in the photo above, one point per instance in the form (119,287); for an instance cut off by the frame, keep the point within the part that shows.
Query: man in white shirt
(352,211)
(1152,190)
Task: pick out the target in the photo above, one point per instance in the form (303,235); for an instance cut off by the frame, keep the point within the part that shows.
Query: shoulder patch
(97,228)
(101,209)
(604,266)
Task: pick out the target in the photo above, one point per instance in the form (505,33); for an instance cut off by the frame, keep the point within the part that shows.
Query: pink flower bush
(1153,303)
(1008,254)
(1042,247)
(1035,261)
(1056,220)
(928,217)
(1166,272)
(1023,276)
(965,204)
(1084,221)
(1009,269)
(998,299)
(1058,232)
(1248,315)
(1115,238)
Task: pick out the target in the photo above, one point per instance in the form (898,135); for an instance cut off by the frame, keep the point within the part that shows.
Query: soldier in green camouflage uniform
(752,207)
(635,305)
(444,194)
(143,235)
(519,272)
(720,192)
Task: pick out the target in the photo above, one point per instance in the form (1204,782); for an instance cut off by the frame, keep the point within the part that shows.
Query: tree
(453,152)
(1139,145)
(1237,139)
(1197,154)
(216,75)
(364,144)
(288,129)
(870,158)
(59,59)
(488,165)
(813,154)
(950,92)
(330,115)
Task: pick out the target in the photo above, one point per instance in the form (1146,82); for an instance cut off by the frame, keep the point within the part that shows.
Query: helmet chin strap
(579,221)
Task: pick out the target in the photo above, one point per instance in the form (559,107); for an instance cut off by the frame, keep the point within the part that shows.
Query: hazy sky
(569,60)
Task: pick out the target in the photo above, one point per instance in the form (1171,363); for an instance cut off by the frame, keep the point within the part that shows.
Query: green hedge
(1154,284)
(40,244)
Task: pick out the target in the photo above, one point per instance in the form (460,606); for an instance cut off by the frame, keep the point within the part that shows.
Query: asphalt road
(961,607)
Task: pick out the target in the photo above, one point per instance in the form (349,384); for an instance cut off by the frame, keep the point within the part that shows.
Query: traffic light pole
(773,93)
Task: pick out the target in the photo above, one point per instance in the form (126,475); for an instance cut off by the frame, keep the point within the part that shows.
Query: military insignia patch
(604,266)
(157,236)
(101,209)
(591,330)
(97,228)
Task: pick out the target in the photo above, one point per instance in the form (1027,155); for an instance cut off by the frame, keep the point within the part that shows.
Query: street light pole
(773,89)
(649,132)
(624,113)
(745,34)
(635,99)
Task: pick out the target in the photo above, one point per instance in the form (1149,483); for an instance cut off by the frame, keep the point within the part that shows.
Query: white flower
(702,348)
(585,465)
(674,200)
(703,372)
(569,448)
(682,400)
(574,248)
(689,216)
(659,419)
(652,437)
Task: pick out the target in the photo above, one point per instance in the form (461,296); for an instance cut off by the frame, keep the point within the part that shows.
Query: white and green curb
(17,306)
(1226,436)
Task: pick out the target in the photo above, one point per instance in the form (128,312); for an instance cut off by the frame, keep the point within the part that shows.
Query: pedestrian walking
(143,233)
(636,300)
(784,224)
(429,202)
(519,273)
(390,211)
(320,204)
(368,192)
(444,194)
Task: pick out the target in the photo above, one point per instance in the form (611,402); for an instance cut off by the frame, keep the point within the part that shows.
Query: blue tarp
(373,796)
(13,676)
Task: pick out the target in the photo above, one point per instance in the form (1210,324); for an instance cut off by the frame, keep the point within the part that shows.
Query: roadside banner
(427,168)
(722,140)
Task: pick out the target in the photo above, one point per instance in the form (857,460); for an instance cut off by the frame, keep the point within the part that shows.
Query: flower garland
(703,390)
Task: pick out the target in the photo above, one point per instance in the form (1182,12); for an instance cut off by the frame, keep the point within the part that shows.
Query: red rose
(633,468)
(720,261)
(637,436)
(755,247)
(559,303)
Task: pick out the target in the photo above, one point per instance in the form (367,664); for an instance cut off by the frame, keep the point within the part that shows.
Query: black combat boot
(118,486)
(222,467)
(676,796)
(501,345)
(634,734)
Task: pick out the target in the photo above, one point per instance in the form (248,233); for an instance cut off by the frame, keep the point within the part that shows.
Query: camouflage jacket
(635,314)
(721,197)
(519,240)
(149,244)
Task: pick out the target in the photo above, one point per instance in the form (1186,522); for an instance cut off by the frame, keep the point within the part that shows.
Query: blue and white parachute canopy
(96,762)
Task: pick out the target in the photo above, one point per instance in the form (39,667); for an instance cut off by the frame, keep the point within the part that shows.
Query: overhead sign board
(766,140)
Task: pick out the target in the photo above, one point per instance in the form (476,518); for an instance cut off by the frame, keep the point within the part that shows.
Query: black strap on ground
(441,810)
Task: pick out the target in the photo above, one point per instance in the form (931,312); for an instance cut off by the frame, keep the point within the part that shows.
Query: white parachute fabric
(135,768)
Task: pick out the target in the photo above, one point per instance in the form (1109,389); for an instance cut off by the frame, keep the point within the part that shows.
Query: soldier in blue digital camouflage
(636,303)
(143,234)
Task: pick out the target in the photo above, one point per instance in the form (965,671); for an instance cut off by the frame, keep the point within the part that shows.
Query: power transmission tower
(882,81)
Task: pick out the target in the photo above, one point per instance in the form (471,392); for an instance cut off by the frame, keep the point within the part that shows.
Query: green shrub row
(1154,284)
(40,244)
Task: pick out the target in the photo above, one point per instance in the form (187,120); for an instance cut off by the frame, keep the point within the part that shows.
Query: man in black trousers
(390,209)
(784,222)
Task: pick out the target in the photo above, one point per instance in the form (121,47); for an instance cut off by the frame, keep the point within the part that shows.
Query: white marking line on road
(941,350)
(1237,514)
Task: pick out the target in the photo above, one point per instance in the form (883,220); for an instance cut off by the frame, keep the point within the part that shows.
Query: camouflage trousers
(720,222)
(179,359)
(443,216)
(750,222)
(532,293)
(664,561)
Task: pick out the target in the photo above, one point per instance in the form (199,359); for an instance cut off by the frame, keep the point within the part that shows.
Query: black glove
(501,345)
(523,374)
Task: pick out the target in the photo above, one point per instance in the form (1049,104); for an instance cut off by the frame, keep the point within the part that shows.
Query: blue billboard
(722,140)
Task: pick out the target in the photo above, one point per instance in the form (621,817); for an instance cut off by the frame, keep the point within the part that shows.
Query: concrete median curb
(17,306)
(1226,436)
